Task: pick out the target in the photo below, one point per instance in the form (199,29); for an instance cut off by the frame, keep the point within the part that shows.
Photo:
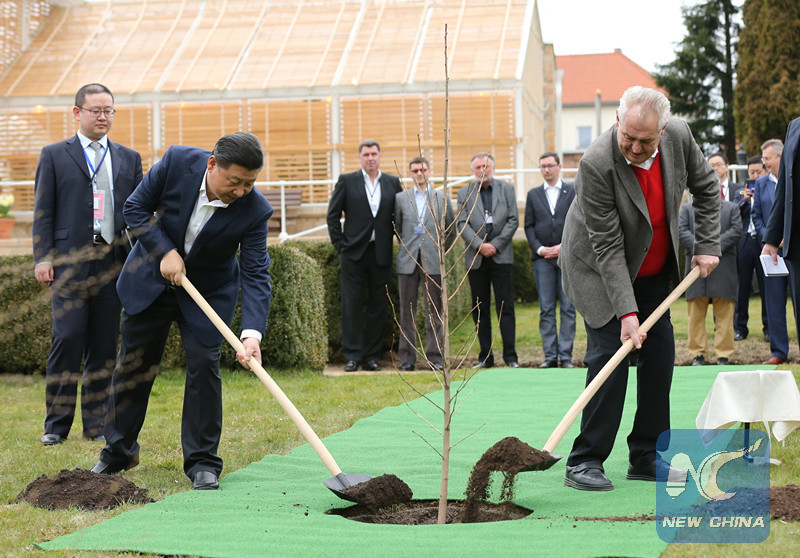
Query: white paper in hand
(771,269)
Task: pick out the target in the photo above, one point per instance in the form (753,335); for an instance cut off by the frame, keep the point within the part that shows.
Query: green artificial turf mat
(277,506)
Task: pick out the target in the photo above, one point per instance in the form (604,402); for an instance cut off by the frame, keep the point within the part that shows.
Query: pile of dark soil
(82,489)
(426,512)
(380,492)
(508,456)
(785,502)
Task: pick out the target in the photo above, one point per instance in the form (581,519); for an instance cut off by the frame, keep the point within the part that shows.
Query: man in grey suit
(619,260)
(417,212)
(545,212)
(487,219)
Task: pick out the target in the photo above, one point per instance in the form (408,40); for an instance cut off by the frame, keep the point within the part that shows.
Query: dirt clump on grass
(380,492)
(784,502)
(508,456)
(82,489)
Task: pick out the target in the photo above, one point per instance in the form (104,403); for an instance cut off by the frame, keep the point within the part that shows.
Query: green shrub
(524,281)
(25,317)
(295,336)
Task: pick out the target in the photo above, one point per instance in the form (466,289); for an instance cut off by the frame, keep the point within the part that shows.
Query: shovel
(604,373)
(340,481)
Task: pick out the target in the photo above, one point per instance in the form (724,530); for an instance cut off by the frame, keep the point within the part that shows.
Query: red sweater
(652,185)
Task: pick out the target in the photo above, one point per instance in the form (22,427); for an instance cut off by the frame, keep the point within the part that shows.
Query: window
(584,136)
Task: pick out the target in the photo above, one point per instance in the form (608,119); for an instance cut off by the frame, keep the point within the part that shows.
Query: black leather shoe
(549,364)
(512,364)
(566,364)
(658,470)
(371,365)
(722,361)
(484,364)
(52,439)
(205,480)
(103,468)
(588,476)
(699,360)
(351,366)
(739,336)
(437,366)
(406,367)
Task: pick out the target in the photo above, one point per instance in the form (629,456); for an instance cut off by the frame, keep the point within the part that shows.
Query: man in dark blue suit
(192,214)
(782,220)
(78,249)
(774,287)
(747,256)
(545,212)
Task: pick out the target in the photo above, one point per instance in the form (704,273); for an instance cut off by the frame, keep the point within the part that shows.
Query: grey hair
(775,144)
(647,99)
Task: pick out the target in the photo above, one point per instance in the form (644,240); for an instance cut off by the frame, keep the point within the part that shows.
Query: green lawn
(254,425)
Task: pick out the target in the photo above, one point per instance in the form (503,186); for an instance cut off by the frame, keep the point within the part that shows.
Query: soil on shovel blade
(82,489)
(380,492)
(508,456)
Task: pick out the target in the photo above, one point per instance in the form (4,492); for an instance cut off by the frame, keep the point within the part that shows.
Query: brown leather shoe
(774,361)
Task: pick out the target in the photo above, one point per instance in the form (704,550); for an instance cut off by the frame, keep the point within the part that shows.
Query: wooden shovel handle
(306,430)
(622,352)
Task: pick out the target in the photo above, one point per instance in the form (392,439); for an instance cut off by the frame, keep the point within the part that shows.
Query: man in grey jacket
(487,219)
(417,212)
(619,261)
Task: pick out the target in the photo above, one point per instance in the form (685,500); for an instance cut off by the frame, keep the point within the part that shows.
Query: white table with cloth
(749,396)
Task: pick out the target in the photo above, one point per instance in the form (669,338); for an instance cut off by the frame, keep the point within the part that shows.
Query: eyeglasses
(96,112)
(547,167)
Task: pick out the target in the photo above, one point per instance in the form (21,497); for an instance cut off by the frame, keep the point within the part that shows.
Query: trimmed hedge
(460,305)
(25,317)
(306,307)
(295,336)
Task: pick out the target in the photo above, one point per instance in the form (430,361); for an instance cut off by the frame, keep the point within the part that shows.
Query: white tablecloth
(752,396)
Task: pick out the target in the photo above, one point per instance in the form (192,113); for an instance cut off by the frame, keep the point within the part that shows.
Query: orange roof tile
(611,73)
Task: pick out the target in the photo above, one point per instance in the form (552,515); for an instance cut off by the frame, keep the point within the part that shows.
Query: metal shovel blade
(340,482)
(544,465)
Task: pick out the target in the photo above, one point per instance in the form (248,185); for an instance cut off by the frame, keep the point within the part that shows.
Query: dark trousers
(85,328)
(746,263)
(481,281)
(775,299)
(143,339)
(602,415)
(408,284)
(363,320)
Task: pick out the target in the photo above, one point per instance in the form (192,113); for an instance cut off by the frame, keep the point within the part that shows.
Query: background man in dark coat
(719,288)
(206,214)
(783,223)
(366,197)
(545,211)
(78,250)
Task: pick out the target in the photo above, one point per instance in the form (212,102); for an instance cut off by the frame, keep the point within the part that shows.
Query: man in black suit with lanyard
(366,197)
(78,250)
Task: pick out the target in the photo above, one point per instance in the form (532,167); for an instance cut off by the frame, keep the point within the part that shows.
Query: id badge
(98,205)
(419,229)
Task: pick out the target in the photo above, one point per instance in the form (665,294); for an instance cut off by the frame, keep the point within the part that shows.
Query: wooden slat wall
(13,15)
